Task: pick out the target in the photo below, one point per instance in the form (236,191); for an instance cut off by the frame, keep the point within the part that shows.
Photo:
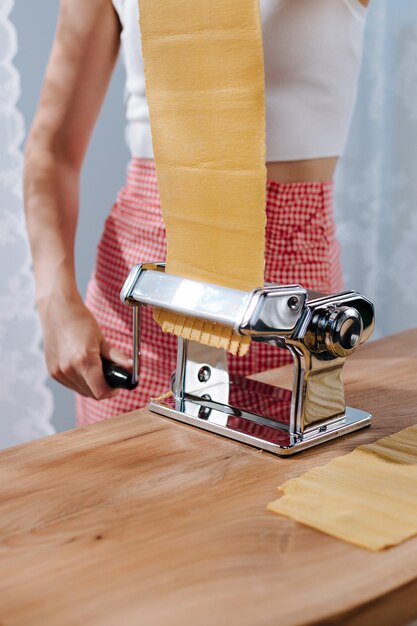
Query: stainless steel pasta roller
(319,330)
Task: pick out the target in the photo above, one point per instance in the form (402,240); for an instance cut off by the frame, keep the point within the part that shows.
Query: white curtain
(25,402)
(376,188)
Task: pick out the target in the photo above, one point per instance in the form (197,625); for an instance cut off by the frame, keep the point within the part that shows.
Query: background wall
(376,186)
(107,157)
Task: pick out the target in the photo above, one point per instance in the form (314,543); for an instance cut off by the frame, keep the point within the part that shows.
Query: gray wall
(107,158)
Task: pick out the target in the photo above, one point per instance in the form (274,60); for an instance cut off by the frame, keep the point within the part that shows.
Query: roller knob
(343,331)
(336,330)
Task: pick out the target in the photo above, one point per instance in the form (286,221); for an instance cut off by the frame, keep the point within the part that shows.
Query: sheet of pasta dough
(368,497)
(205,90)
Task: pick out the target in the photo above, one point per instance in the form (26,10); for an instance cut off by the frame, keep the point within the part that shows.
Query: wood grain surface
(144,521)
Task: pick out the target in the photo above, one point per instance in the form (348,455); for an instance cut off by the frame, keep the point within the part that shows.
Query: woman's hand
(74,345)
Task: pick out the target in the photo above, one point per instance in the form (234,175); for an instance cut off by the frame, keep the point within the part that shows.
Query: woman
(312,52)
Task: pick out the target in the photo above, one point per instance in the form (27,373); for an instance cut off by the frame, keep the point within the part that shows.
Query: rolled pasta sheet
(205,89)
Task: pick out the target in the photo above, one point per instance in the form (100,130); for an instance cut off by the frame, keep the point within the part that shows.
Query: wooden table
(141,521)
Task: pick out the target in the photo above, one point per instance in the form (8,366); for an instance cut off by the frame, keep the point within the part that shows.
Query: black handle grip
(117,376)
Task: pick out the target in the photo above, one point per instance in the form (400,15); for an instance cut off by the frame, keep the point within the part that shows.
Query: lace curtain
(376,185)
(25,402)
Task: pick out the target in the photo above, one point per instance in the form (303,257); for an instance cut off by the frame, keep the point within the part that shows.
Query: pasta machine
(319,330)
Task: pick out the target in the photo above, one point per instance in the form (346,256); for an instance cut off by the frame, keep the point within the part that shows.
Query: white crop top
(312,53)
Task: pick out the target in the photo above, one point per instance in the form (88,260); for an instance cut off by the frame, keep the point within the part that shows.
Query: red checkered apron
(300,248)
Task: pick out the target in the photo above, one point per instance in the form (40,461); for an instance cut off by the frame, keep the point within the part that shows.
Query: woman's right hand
(74,345)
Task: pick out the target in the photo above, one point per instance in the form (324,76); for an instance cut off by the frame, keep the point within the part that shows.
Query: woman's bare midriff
(321,170)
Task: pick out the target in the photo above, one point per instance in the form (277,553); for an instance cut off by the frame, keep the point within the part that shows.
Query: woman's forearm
(82,59)
(51,186)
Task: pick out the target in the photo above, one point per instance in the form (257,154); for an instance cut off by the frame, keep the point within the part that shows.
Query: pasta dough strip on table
(367,497)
